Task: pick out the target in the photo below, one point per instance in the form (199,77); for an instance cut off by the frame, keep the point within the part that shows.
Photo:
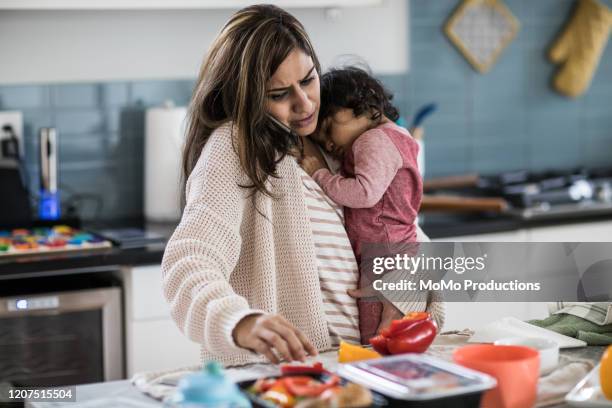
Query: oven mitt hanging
(579,47)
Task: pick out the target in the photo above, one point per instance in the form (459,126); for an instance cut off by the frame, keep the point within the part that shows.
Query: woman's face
(293,93)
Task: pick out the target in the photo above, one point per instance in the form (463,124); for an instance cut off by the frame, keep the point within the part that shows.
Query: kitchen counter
(435,225)
(442,225)
(97,260)
(123,393)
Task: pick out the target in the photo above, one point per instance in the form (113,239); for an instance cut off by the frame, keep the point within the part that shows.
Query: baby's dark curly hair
(353,88)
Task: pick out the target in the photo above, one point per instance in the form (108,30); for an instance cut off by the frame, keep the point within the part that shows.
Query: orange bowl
(516,368)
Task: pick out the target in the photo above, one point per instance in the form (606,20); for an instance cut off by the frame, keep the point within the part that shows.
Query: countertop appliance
(15,202)
(58,331)
(49,202)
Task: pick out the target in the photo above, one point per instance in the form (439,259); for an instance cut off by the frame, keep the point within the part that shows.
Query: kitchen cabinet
(165,40)
(508,236)
(153,341)
(474,315)
(593,231)
(598,231)
(170,4)
(461,315)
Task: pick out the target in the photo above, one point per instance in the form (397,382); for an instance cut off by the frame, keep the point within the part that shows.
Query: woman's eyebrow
(287,87)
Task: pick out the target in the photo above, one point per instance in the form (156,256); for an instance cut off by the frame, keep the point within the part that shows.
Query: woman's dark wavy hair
(232,87)
(354,88)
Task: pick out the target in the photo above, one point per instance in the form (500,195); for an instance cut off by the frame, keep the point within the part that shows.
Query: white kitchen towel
(553,387)
(161,384)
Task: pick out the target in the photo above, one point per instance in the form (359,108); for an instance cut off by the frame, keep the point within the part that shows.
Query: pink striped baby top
(335,262)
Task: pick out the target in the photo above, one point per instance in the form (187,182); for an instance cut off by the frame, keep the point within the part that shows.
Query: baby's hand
(389,314)
(311,164)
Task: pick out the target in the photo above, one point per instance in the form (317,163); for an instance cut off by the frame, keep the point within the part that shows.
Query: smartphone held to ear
(293,140)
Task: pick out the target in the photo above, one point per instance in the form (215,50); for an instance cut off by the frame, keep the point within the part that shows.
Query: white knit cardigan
(225,261)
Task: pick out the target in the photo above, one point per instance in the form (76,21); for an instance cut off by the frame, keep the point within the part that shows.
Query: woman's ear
(329,146)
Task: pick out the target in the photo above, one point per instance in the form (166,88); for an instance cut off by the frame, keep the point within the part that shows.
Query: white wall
(49,46)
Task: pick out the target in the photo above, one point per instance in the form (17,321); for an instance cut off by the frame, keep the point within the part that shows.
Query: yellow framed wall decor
(481,30)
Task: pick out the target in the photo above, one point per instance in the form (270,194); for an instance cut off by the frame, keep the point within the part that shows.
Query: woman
(242,273)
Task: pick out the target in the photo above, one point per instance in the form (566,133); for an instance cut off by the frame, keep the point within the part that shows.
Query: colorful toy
(60,238)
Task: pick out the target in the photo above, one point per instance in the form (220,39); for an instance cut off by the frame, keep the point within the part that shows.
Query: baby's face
(342,129)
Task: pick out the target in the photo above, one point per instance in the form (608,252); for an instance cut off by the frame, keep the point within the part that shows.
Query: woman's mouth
(302,123)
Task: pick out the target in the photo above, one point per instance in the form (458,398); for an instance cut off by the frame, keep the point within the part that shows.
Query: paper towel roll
(164,138)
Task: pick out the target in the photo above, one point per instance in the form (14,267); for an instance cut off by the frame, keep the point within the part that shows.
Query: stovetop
(550,194)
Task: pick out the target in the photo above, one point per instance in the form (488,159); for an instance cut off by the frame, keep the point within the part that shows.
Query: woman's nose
(302,103)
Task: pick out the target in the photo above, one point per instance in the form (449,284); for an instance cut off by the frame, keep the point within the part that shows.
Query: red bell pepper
(316,368)
(304,386)
(380,344)
(413,339)
(398,326)
(412,334)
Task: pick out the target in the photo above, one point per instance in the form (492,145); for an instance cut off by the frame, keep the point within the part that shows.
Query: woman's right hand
(272,336)
(311,164)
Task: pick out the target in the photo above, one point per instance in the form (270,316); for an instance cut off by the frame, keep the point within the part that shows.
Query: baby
(379,184)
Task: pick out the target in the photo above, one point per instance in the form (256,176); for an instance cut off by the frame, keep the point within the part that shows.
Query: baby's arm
(377,161)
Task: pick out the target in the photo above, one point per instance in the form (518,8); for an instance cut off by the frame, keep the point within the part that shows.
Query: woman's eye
(307,81)
(278,97)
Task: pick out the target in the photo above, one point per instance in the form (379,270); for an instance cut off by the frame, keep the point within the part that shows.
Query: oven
(61,331)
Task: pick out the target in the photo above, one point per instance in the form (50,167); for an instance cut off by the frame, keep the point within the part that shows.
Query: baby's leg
(370,310)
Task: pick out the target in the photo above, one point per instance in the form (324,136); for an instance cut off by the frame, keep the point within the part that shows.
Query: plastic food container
(548,349)
(378,400)
(416,380)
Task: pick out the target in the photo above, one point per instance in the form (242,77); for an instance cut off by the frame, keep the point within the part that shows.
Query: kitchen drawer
(599,231)
(158,345)
(508,236)
(144,298)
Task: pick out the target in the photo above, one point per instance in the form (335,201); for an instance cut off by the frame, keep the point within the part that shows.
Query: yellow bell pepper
(605,373)
(351,352)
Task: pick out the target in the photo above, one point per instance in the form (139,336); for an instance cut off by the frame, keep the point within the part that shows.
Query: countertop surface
(123,393)
(97,260)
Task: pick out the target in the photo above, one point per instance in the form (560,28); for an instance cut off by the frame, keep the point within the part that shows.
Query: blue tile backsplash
(507,119)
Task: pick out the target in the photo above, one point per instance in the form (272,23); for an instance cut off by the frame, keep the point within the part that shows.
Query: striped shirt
(336,263)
